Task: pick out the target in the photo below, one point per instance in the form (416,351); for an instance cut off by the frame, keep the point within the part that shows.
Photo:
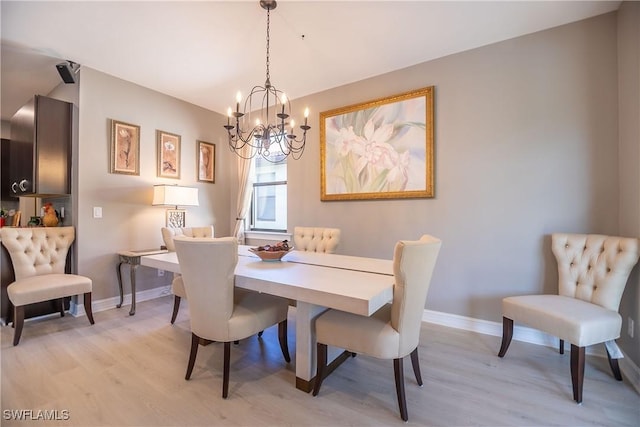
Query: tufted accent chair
(314,239)
(39,258)
(177,285)
(393,332)
(593,271)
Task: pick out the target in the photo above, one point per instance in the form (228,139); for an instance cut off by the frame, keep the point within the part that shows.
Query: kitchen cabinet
(40,149)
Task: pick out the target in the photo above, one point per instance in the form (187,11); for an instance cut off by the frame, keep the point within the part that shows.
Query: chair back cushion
(208,268)
(314,239)
(593,267)
(169,233)
(37,250)
(413,263)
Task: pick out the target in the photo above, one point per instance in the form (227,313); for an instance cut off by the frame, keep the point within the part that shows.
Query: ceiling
(203,52)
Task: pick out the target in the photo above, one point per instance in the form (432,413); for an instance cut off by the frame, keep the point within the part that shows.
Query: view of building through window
(269,199)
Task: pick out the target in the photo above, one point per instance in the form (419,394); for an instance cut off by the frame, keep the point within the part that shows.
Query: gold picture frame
(206,161)
(125,148)
(168,154)
(380,149)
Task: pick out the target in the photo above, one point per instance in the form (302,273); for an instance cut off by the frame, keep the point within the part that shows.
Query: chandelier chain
(268,83)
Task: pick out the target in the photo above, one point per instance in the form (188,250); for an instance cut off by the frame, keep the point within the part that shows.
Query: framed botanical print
(125,148)
(168,153)
(381,149)
(206,161)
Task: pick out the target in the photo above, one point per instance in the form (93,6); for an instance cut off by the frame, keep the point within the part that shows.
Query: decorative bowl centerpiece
(273,252)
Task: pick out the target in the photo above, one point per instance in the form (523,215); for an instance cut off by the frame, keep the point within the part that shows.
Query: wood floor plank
(129,371)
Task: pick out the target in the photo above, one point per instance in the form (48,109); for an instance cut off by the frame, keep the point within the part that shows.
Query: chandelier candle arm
(268,137)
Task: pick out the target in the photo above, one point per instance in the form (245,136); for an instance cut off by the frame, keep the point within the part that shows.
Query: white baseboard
(109,303)
(520,333)
(524,334)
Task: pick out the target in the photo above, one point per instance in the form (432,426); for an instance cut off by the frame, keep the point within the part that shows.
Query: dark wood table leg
(133,267)
(118,269)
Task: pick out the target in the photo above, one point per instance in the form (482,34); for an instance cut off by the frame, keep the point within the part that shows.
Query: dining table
(317,282)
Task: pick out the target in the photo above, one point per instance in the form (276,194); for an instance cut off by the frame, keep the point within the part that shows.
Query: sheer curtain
(245,187)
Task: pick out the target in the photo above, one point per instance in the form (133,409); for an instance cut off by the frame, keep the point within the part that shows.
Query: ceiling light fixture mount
(271,133)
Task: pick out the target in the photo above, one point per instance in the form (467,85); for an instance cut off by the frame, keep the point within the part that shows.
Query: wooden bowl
(270,255)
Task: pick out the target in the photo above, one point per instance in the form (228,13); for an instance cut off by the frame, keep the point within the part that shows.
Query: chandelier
(273,133)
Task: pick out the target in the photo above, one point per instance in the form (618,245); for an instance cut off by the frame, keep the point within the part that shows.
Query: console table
(132,258)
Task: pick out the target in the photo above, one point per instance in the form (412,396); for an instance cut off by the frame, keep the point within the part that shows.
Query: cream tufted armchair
(177,285)
(39,258)
(392,332)
(314,239)
(218,313)
(593,271)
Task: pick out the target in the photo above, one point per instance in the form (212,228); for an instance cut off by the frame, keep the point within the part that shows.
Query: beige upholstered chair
(593,271)
(392,332)
(39,257)
(208,271)
(168,234)
(315,239)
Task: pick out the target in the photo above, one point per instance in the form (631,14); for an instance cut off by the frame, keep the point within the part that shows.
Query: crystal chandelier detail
(270,131)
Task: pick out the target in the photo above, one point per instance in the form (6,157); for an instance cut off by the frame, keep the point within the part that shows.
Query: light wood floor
(129,371)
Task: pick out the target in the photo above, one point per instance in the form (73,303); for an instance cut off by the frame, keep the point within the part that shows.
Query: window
(269,199)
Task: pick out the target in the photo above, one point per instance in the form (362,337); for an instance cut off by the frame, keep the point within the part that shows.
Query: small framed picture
(125,148)
(168,152)
(206,161)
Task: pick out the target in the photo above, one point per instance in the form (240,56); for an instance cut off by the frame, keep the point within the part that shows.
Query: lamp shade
(174,195)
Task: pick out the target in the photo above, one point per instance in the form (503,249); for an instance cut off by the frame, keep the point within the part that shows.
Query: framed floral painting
(206,161)
(381,149)
(125,148)
(168,153)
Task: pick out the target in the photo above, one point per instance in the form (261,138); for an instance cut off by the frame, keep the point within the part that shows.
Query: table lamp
(175,195)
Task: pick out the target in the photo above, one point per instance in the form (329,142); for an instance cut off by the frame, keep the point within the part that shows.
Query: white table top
(353,284)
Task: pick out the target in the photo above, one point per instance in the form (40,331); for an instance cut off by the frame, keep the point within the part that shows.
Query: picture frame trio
(125,153)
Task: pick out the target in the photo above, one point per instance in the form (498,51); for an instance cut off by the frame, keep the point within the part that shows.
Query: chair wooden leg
(195,341)
(507,334)
(225,372)
(402,400)
(18,322)
(282,337)
(321,364)
(615,368)
(176,307)
(415,362)
(561,347)
(61,306)
(87,307)
(577,371)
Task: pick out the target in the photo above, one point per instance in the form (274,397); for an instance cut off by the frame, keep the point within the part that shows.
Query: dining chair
(316,239)
(592,273)
(392,332)
(39,257)
(177,286)
(208,272)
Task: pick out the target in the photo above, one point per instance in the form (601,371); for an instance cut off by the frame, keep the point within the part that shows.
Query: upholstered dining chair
(39,257)
(592,273)
(177,286)
(316,239)
(392,332)
(208,271)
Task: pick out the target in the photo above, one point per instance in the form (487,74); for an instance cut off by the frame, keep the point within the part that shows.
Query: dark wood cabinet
(40,149)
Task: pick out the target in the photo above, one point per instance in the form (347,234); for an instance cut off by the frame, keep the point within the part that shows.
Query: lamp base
(176,218)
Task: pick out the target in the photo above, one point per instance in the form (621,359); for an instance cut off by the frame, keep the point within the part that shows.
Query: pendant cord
(268,82)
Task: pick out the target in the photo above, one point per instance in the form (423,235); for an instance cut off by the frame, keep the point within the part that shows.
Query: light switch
(97,212)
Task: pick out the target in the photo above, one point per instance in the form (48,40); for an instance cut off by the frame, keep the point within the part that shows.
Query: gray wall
(526,135)
(629,158)
(129,221)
